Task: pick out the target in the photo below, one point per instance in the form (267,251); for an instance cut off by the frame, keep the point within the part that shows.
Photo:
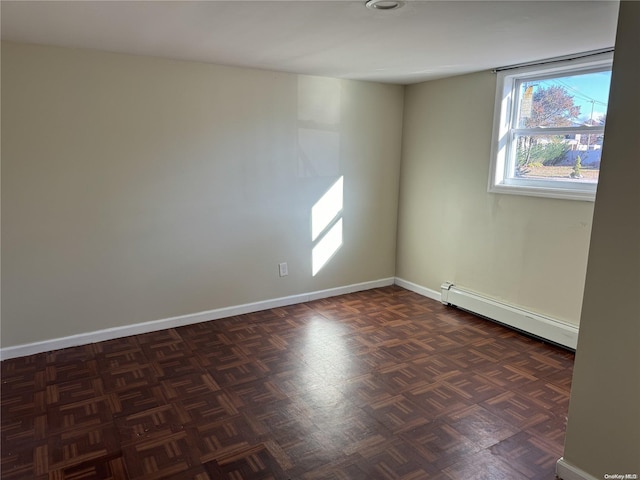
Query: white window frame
(505,116)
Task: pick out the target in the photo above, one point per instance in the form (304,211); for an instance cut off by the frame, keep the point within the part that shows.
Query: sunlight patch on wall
(326,226)
(326,209)
(327,247)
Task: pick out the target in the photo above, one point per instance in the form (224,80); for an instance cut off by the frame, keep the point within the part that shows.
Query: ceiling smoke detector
(384,4)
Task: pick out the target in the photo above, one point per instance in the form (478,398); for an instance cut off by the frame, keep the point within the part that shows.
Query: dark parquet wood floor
(381,384)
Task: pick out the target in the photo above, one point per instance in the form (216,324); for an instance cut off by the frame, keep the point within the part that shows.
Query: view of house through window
(577,103)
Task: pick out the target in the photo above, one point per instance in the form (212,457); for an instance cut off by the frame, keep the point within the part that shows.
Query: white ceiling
(422,40)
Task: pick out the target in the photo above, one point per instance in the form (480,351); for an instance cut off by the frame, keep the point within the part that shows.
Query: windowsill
(586,195)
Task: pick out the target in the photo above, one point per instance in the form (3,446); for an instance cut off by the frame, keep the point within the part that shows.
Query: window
(549,128)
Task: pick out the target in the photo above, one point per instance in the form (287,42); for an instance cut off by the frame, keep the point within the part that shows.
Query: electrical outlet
(283,269)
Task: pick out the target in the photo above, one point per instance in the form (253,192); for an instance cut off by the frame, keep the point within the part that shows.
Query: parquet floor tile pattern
(380,384)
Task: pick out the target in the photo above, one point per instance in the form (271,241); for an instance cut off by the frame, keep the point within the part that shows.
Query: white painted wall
(137,188)
(525,251)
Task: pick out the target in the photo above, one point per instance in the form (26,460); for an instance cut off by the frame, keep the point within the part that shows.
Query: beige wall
(525,251)
(603,432)
(136,188)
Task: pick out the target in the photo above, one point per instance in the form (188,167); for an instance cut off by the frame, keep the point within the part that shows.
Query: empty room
(340,239)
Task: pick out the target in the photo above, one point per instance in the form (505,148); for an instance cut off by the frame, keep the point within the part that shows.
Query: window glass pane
(572,100)
(574,158)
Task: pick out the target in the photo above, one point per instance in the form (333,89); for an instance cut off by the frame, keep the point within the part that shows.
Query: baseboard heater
(546,328)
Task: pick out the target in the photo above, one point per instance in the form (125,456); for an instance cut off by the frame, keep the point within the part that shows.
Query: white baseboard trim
(419,289)
(566,471)
(179,321)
